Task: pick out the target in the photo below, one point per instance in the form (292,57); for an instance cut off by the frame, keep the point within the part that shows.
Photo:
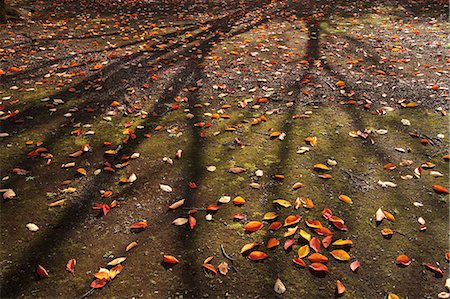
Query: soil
(263,67)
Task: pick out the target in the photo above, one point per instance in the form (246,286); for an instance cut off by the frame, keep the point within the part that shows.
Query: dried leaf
(340,288)
(257,255)
(253,226)
(279,287)
(177,204)
(169,259)
(223,268)
(303,251)
(117,261)
(282,202)
(340,254)
(165,188)
(180,221)
(210,268)
(71,265)
(318,267)
(273,242)
(42,272)
(345,199)
(131,246)
(354,266)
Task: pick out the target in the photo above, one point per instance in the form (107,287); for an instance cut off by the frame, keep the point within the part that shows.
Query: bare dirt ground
(109,103)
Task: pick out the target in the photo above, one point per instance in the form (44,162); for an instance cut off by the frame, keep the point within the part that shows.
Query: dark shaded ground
(152,54)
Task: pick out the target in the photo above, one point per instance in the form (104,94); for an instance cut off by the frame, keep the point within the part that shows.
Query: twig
(88,293)
(225,254)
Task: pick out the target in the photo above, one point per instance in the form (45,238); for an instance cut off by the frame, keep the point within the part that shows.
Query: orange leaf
(311,140)
(257,255)
(313,223)
(321,166)
(253,226)
(249,246)
(292,219)
(390,166)
(318,267)
(325,176)
(340,254)
(403,259)
(341,242)
(139,225)
(210,268)
(439,189)
(345,199)
(273,242)
(317,258)
(169,259)
(71,265)
(192,222)
(238,200)
(82,171)
(299,262)
(340,288)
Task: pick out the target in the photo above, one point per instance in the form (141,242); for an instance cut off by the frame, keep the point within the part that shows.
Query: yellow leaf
(283,203)
(303,251)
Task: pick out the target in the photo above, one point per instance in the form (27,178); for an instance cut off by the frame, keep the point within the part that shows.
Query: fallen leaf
(317,258)
(169,259)
(210,268)
(253,226)
(71,265)
(177,204)
(180,221)
(340,288)
(117,261)
(279,287)
(273,242)
(131,246)
(257,255)
(345,199)
(303,251)
(340,254)
(165,188)
(354,266)
(438,188)
(223,268)
(318,267)
(42,272)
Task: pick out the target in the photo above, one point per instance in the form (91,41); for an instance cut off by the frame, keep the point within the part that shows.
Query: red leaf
(41,271)
(299,261)
(434,269)
(288,244)
(315,244)
(275,225)
(99,283)
(318,267)
(327,241)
